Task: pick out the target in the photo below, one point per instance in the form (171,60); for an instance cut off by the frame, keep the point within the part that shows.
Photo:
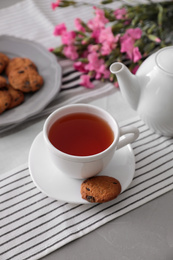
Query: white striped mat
(33,225)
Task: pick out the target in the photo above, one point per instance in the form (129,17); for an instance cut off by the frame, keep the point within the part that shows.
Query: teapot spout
(128,83)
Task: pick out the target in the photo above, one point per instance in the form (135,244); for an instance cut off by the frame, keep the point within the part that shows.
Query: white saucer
(56,185)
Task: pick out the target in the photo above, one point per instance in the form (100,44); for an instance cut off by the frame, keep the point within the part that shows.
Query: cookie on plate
(25,79)
(100,189)
(3,62)
(5,99)
(17,97)
(18,62)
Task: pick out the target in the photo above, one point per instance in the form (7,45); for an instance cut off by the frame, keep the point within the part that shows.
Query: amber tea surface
(81,134)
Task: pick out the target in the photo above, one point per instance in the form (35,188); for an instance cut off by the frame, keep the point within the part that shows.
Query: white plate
(48,68)
(56,185)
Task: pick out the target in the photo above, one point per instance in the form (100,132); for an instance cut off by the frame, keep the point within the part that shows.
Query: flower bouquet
(128,34)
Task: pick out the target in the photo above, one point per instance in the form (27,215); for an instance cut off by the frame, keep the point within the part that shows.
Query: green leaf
(149,47)
(109,14)
(106,2)
(151,29)
(83,60)
(160,15)
(66,3)
(153,38)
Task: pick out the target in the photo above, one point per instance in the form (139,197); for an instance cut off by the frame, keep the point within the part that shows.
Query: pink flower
(94,62)
(100,15)
(78,25)
(157,40)
(93,47)
(70,52)
(136,54)
(59,29)
(127,22)
(134,70)
(79,66)
(127,45)
(84,54)
(85,81)
(56,4)
(133,53)
(116,84)
(95,34)
(106,35)
(68,37)
(131,35)
(97,65)
(98,21)
(120,13)
(106,48)
(128,41)
(134,33)
(108,40)
(50,49)
(102,72)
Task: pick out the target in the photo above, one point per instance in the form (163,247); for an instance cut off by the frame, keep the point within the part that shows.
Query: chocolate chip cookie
(25,80)
(18,62)
(100,189)
(3,82)
(17,97)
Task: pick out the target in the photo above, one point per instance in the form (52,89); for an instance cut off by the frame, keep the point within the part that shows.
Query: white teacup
(81,167)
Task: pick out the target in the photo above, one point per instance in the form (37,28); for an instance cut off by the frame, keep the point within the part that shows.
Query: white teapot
(150,91)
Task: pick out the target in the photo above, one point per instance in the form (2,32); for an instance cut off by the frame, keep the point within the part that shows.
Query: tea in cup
(81,139)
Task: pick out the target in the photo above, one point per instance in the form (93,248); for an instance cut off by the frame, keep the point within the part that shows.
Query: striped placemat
(33,225)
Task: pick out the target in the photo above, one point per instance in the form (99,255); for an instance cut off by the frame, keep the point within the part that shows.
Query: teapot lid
(164,59)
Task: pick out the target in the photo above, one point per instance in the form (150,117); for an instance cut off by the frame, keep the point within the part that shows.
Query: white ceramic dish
(56,185)
(48,68)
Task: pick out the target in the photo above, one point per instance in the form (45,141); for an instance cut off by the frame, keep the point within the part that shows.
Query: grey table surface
(145,233)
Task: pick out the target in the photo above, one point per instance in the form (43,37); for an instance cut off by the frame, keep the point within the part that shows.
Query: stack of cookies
(22,77)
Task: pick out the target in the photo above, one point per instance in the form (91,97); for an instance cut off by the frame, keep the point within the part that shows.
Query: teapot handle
(129,134)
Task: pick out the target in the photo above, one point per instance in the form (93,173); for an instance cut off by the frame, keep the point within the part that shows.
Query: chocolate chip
(90,198)
(88,189)
(6,104)
(3,89)
(31,66)
(21,71)
(27,83)
(114,182)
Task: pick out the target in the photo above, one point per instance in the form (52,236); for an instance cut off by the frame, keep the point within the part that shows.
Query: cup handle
(132,134)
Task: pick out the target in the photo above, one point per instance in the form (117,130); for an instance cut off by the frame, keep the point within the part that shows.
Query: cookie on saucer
(100,189)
